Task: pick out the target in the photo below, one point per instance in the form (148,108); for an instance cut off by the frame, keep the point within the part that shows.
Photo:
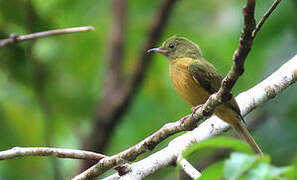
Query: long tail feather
(245,134)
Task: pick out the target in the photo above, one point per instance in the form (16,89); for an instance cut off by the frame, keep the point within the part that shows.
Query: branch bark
(45,151)
(285,76)
(265,17)
(188,168)
(18,152)
(15,38)
(239,57)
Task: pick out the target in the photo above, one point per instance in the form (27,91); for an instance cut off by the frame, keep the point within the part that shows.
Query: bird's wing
(207,76)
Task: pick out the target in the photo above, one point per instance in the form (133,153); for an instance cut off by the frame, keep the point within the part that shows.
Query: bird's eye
(171,45)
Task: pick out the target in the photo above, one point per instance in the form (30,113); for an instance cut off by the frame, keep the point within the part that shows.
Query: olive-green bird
(195,79)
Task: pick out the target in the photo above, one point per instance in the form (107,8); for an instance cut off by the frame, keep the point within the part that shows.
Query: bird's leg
(182,121)
(194,109)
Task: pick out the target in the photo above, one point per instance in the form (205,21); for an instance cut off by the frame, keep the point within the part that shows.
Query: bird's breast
(184,83)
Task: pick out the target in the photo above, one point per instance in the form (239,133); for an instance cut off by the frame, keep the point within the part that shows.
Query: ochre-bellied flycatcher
(195,79)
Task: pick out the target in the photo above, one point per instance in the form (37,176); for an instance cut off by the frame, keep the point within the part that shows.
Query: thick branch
(130,154)
(247,101)
(15,38)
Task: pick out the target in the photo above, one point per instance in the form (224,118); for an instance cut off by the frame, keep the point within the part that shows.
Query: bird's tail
(245,134)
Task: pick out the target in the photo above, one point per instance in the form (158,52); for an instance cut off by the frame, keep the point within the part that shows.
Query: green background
(73,67)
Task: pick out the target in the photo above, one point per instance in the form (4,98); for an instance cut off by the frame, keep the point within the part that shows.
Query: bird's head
(178,47)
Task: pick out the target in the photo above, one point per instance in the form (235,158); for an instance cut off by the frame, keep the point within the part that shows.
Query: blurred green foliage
(254,167)
(50,87)
(240,165)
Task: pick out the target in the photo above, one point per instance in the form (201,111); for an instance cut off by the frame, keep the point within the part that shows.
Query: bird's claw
(194,109)
(182,121)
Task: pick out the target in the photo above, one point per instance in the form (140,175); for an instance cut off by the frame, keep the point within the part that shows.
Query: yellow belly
(190,90)
(184,83)
(187,87)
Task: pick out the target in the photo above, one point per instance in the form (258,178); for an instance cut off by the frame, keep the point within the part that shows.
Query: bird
(195,79)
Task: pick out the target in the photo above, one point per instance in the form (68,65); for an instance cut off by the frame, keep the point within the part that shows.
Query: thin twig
(15,38)
(17,152)
(188,168)
(265,17)
(46,151)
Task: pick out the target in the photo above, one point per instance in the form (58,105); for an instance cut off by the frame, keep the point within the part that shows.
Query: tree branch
(237,69)
(239,57)
(116,101)
(113,92)
(15,38)
(130,154)
(46,151)
(188,168)
(265,17)
(17,152)
(157,26)
(285,76)
(116,48)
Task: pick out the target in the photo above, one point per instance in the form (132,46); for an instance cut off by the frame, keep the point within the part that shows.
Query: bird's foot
(182,121)
(194,109)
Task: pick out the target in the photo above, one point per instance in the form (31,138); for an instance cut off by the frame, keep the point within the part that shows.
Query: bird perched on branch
(195,79)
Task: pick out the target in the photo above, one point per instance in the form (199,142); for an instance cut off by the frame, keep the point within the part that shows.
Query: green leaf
(214,171)
(264,171)
(238,164)
(217,142)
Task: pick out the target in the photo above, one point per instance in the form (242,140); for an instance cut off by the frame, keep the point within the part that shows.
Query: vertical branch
(113,92)
(116,47)
(157,26)
(265,17)
(117,98)
(241,53)
(245,45)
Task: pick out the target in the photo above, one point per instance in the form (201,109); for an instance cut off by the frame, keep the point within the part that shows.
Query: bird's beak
(157,50)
